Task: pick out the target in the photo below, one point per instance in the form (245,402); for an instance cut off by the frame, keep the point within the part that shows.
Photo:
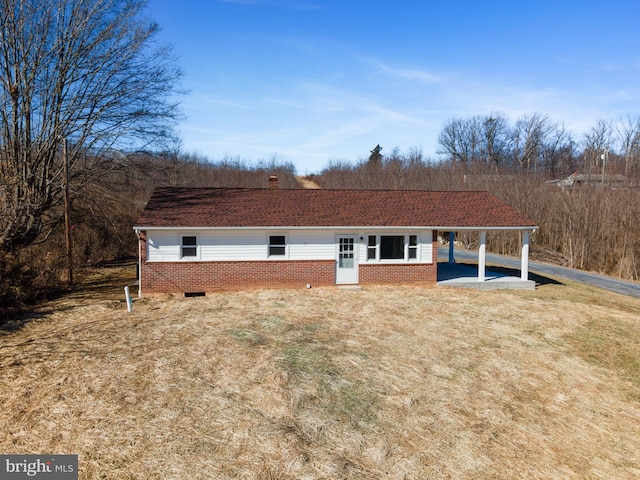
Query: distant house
(196,240)
(594,179)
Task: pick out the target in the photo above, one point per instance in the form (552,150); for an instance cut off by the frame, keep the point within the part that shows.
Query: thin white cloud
(406,74)
(388,115)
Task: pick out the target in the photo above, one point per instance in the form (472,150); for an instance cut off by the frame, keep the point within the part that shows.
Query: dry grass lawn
(387,382)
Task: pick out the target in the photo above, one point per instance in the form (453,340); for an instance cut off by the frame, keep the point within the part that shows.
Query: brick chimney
(273,181)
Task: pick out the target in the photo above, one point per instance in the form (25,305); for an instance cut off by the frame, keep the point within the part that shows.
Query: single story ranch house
(197,240)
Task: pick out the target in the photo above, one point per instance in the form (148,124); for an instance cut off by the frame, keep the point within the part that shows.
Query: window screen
(277,245)
(189,246)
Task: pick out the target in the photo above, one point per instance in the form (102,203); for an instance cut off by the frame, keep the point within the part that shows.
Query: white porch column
(524,256)
(482,256)
(452,237)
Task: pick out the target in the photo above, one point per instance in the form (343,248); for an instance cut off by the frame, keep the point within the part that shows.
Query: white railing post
(482,256)
(452,238)
(524,268)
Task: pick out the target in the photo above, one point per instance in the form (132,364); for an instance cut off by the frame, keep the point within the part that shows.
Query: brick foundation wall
(184,277)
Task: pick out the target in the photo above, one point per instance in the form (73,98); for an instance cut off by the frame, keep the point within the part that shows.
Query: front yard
(386,382)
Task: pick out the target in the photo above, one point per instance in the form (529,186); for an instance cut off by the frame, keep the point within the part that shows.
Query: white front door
(347,262)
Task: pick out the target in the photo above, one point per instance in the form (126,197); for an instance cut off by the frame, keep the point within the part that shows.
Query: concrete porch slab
(466,276)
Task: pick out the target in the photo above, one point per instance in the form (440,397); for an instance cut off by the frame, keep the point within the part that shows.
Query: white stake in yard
(127,295)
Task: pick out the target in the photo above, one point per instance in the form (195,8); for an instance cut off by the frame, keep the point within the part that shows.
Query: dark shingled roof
(242,207)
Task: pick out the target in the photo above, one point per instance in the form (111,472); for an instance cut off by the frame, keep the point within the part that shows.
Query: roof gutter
(531,228)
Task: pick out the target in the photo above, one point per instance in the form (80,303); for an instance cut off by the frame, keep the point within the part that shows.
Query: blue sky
(314,81)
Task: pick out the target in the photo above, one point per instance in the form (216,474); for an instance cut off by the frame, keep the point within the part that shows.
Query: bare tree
(529,136)
(83,70)
(595,142)
(497,139)
(558,150)
(460,139)
(627,132)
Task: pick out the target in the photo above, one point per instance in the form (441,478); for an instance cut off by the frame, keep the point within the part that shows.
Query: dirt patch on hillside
(307,183)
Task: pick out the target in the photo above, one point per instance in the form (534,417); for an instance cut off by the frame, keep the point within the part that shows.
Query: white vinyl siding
(226,245)
(312,245)
(247,245)
(163,246)
(253,245)
(425,246)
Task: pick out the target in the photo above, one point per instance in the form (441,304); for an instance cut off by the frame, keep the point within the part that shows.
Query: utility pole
(604,163)
(67,211)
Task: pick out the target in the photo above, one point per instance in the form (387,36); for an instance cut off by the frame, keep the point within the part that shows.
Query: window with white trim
(189,246)
(372,247)
(277,245)
(413,247)
(392,247)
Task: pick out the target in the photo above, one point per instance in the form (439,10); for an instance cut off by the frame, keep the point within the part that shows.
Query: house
(196,240)
(594,179)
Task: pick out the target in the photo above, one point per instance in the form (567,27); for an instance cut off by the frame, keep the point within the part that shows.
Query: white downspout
(137,231)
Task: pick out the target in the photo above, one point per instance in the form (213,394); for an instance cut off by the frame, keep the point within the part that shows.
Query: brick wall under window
(183,277)
(397,273)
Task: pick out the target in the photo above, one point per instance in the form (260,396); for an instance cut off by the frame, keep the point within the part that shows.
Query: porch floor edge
(465,276)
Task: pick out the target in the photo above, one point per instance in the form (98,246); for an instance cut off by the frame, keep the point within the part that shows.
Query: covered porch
(478,276)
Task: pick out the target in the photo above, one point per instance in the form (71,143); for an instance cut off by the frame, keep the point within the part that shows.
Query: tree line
(535,143)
